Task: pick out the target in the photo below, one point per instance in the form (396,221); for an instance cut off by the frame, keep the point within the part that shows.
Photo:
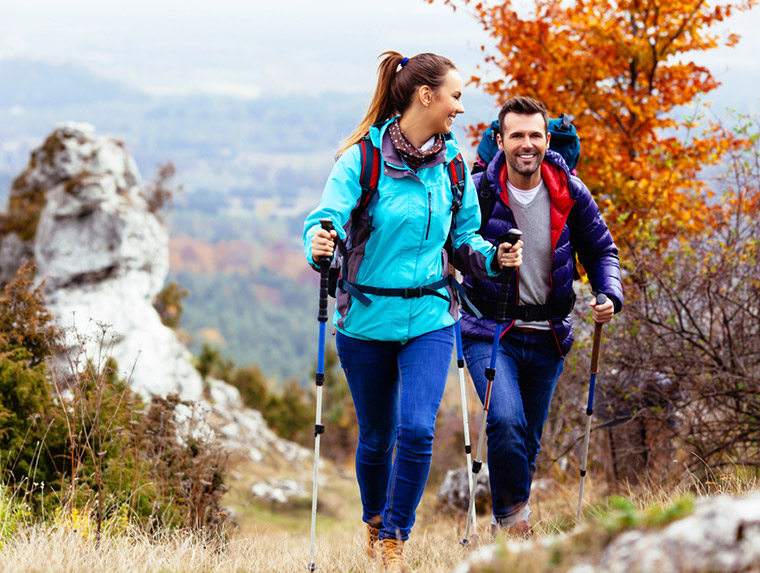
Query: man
(536,193)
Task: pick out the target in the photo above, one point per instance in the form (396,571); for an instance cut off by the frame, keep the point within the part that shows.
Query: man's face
(524,140)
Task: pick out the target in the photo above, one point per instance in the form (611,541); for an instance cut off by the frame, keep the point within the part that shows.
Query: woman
(396,350)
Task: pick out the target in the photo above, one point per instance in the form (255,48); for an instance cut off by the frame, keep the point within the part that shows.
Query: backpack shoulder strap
(369,177)
(455,170)
(487,200)
(370,173)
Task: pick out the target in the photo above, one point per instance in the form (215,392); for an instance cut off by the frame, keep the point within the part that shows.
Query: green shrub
(83,447)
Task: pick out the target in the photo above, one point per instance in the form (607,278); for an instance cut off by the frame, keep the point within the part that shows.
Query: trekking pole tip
(472,541)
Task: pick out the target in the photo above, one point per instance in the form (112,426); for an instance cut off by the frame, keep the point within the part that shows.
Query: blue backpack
(564,141)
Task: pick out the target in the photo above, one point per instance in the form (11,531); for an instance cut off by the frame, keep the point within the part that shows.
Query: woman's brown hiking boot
(392,551)
(372,539)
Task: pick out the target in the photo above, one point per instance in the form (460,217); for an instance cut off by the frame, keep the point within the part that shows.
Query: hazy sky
(250,47)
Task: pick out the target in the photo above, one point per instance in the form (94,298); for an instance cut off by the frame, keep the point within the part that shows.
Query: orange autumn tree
(623,71)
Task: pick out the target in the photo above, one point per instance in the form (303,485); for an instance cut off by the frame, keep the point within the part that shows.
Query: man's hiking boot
(372,539)
(392,551)
(520,530)
(515,525)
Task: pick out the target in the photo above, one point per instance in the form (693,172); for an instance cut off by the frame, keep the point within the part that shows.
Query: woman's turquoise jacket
(409,220)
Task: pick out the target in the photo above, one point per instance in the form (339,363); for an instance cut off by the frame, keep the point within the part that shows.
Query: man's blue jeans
(397,389)
(527,369)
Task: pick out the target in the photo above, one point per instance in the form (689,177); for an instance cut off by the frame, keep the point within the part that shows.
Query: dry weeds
(40,549)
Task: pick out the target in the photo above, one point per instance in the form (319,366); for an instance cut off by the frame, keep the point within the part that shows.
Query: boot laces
(373,534)
(393,556)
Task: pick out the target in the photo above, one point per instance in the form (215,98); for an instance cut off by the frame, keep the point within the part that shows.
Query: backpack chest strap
(359,291)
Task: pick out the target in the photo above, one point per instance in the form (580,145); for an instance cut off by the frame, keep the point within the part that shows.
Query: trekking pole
(600,299)
(319,379)
(512,236)
(465,421)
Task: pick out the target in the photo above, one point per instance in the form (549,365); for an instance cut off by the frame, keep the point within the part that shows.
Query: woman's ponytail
(381,106)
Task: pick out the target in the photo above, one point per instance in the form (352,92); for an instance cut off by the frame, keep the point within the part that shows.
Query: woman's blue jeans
(397,389)
(527,369)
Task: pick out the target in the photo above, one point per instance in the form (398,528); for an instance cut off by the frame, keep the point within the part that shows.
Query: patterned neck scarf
(412,156)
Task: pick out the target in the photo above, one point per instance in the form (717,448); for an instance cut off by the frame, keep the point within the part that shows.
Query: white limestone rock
(454,492)
(722,535)
(279,492)
(104,256)
(244,429)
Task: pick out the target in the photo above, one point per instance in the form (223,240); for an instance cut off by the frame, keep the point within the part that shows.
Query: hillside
(257,303)
(266,146)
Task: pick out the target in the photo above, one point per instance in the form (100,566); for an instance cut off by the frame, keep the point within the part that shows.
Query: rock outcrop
(81,214)
(103,254)
(722,535)
(454,492)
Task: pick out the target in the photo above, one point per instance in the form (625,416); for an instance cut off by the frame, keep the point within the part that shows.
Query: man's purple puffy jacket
(576,220)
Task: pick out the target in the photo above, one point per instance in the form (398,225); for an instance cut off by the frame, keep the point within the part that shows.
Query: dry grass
(43,549)
(267,538)
(275,540)
(271,538)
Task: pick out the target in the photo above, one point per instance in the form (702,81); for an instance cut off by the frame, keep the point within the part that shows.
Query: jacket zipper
(551,323)
(430,214)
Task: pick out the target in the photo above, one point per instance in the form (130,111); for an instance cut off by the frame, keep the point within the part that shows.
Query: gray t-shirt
(532,211)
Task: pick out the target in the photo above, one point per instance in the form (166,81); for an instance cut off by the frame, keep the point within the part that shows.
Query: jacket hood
(556,159)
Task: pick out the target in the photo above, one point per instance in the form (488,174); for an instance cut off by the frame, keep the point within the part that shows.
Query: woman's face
(446,103)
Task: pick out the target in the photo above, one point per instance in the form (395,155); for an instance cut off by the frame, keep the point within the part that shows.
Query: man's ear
(498,142)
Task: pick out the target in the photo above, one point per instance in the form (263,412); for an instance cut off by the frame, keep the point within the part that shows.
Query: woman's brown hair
(397,82)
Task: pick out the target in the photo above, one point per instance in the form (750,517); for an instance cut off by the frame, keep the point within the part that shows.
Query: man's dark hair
(524,106)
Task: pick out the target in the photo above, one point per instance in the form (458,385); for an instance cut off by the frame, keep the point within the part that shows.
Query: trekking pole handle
(324,271)
(511,237)
(601,298)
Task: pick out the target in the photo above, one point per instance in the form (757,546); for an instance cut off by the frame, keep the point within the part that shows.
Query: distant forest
(254,299)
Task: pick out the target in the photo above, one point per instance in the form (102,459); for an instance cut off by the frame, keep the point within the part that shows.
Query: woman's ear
(425,95)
